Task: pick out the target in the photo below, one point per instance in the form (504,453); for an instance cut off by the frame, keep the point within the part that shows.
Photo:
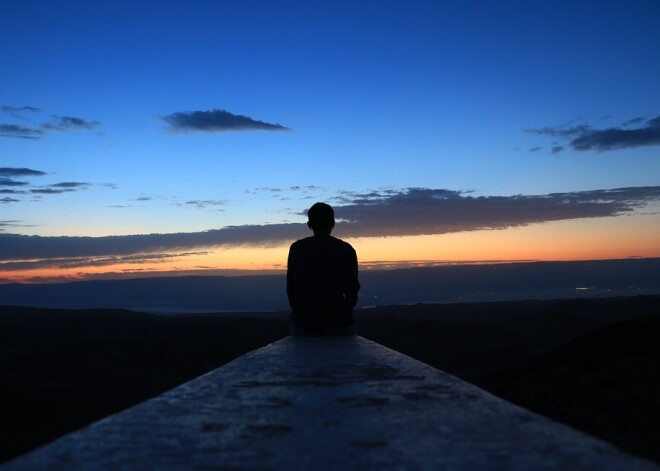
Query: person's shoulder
(301,242)
(345,245)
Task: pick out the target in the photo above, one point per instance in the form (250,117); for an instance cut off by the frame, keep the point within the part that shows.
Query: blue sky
(492,99)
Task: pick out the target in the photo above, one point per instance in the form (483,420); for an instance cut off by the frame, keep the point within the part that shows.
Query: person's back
(322,278)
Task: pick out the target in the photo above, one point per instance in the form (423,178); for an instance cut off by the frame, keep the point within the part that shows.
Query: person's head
(321,218)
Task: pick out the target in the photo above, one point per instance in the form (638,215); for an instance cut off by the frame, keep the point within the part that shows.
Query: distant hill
(445,284)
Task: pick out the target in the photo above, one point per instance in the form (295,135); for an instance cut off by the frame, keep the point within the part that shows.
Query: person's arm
(290,267)
(352,283)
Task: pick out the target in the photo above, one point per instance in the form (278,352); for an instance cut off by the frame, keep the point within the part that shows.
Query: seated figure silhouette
(322,279)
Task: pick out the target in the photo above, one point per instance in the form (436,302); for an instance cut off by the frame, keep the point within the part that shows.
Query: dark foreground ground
(592,364)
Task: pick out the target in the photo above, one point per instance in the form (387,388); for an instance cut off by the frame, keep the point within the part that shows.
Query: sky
(189,137)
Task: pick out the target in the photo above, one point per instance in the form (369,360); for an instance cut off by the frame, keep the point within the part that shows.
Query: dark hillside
(473,339)
(606,383)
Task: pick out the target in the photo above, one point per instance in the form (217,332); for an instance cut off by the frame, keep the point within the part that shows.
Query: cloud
(559,131)
(12,223)
(68,123)
(556,149)
(78,262)
(17,111)
(11,182)
(57,123)
(305,188)
(20,172)
(7,199)
(419,211)
(585,137)
(62,187)
(632,121)
(7,175)
(21,247)
(269,189)
(20,132)
(617,138)
(5,191)
(50,191)
(9,223)
(200,204)
(413,211)
(217,120)
(69,185)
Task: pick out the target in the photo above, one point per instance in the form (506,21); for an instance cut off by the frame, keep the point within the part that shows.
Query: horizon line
(365,267)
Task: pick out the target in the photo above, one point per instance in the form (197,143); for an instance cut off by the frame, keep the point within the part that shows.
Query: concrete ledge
(327,403)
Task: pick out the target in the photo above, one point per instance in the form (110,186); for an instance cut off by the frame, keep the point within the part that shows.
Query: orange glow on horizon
(594,239)
(585,239)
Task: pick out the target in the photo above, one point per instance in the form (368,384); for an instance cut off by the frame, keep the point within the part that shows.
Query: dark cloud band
(420,211)
(414,211)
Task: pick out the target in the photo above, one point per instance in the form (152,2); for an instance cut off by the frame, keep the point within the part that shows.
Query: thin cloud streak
(20,132)
(62,187)
(201,204)
(68,123)
(16,111)
(69,185)
(79,262)
(22,247)
(217,120)
(11,182)
(8,223)
(51,191)
(408,212)
(33,131)
(20,172)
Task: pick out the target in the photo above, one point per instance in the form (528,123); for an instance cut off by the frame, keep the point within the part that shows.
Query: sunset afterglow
(191,139)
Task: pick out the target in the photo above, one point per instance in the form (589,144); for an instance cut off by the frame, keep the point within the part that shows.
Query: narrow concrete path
(327,403)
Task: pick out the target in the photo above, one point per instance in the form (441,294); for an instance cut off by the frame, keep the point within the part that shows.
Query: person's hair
(321,217)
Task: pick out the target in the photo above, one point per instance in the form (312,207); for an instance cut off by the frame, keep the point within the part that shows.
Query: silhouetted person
(322,279)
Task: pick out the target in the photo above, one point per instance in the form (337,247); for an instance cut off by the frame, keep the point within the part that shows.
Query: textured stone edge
(324,403)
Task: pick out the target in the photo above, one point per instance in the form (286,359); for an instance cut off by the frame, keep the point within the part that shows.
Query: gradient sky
(155,137)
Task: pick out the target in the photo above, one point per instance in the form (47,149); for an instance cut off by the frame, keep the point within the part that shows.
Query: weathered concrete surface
(327,403)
